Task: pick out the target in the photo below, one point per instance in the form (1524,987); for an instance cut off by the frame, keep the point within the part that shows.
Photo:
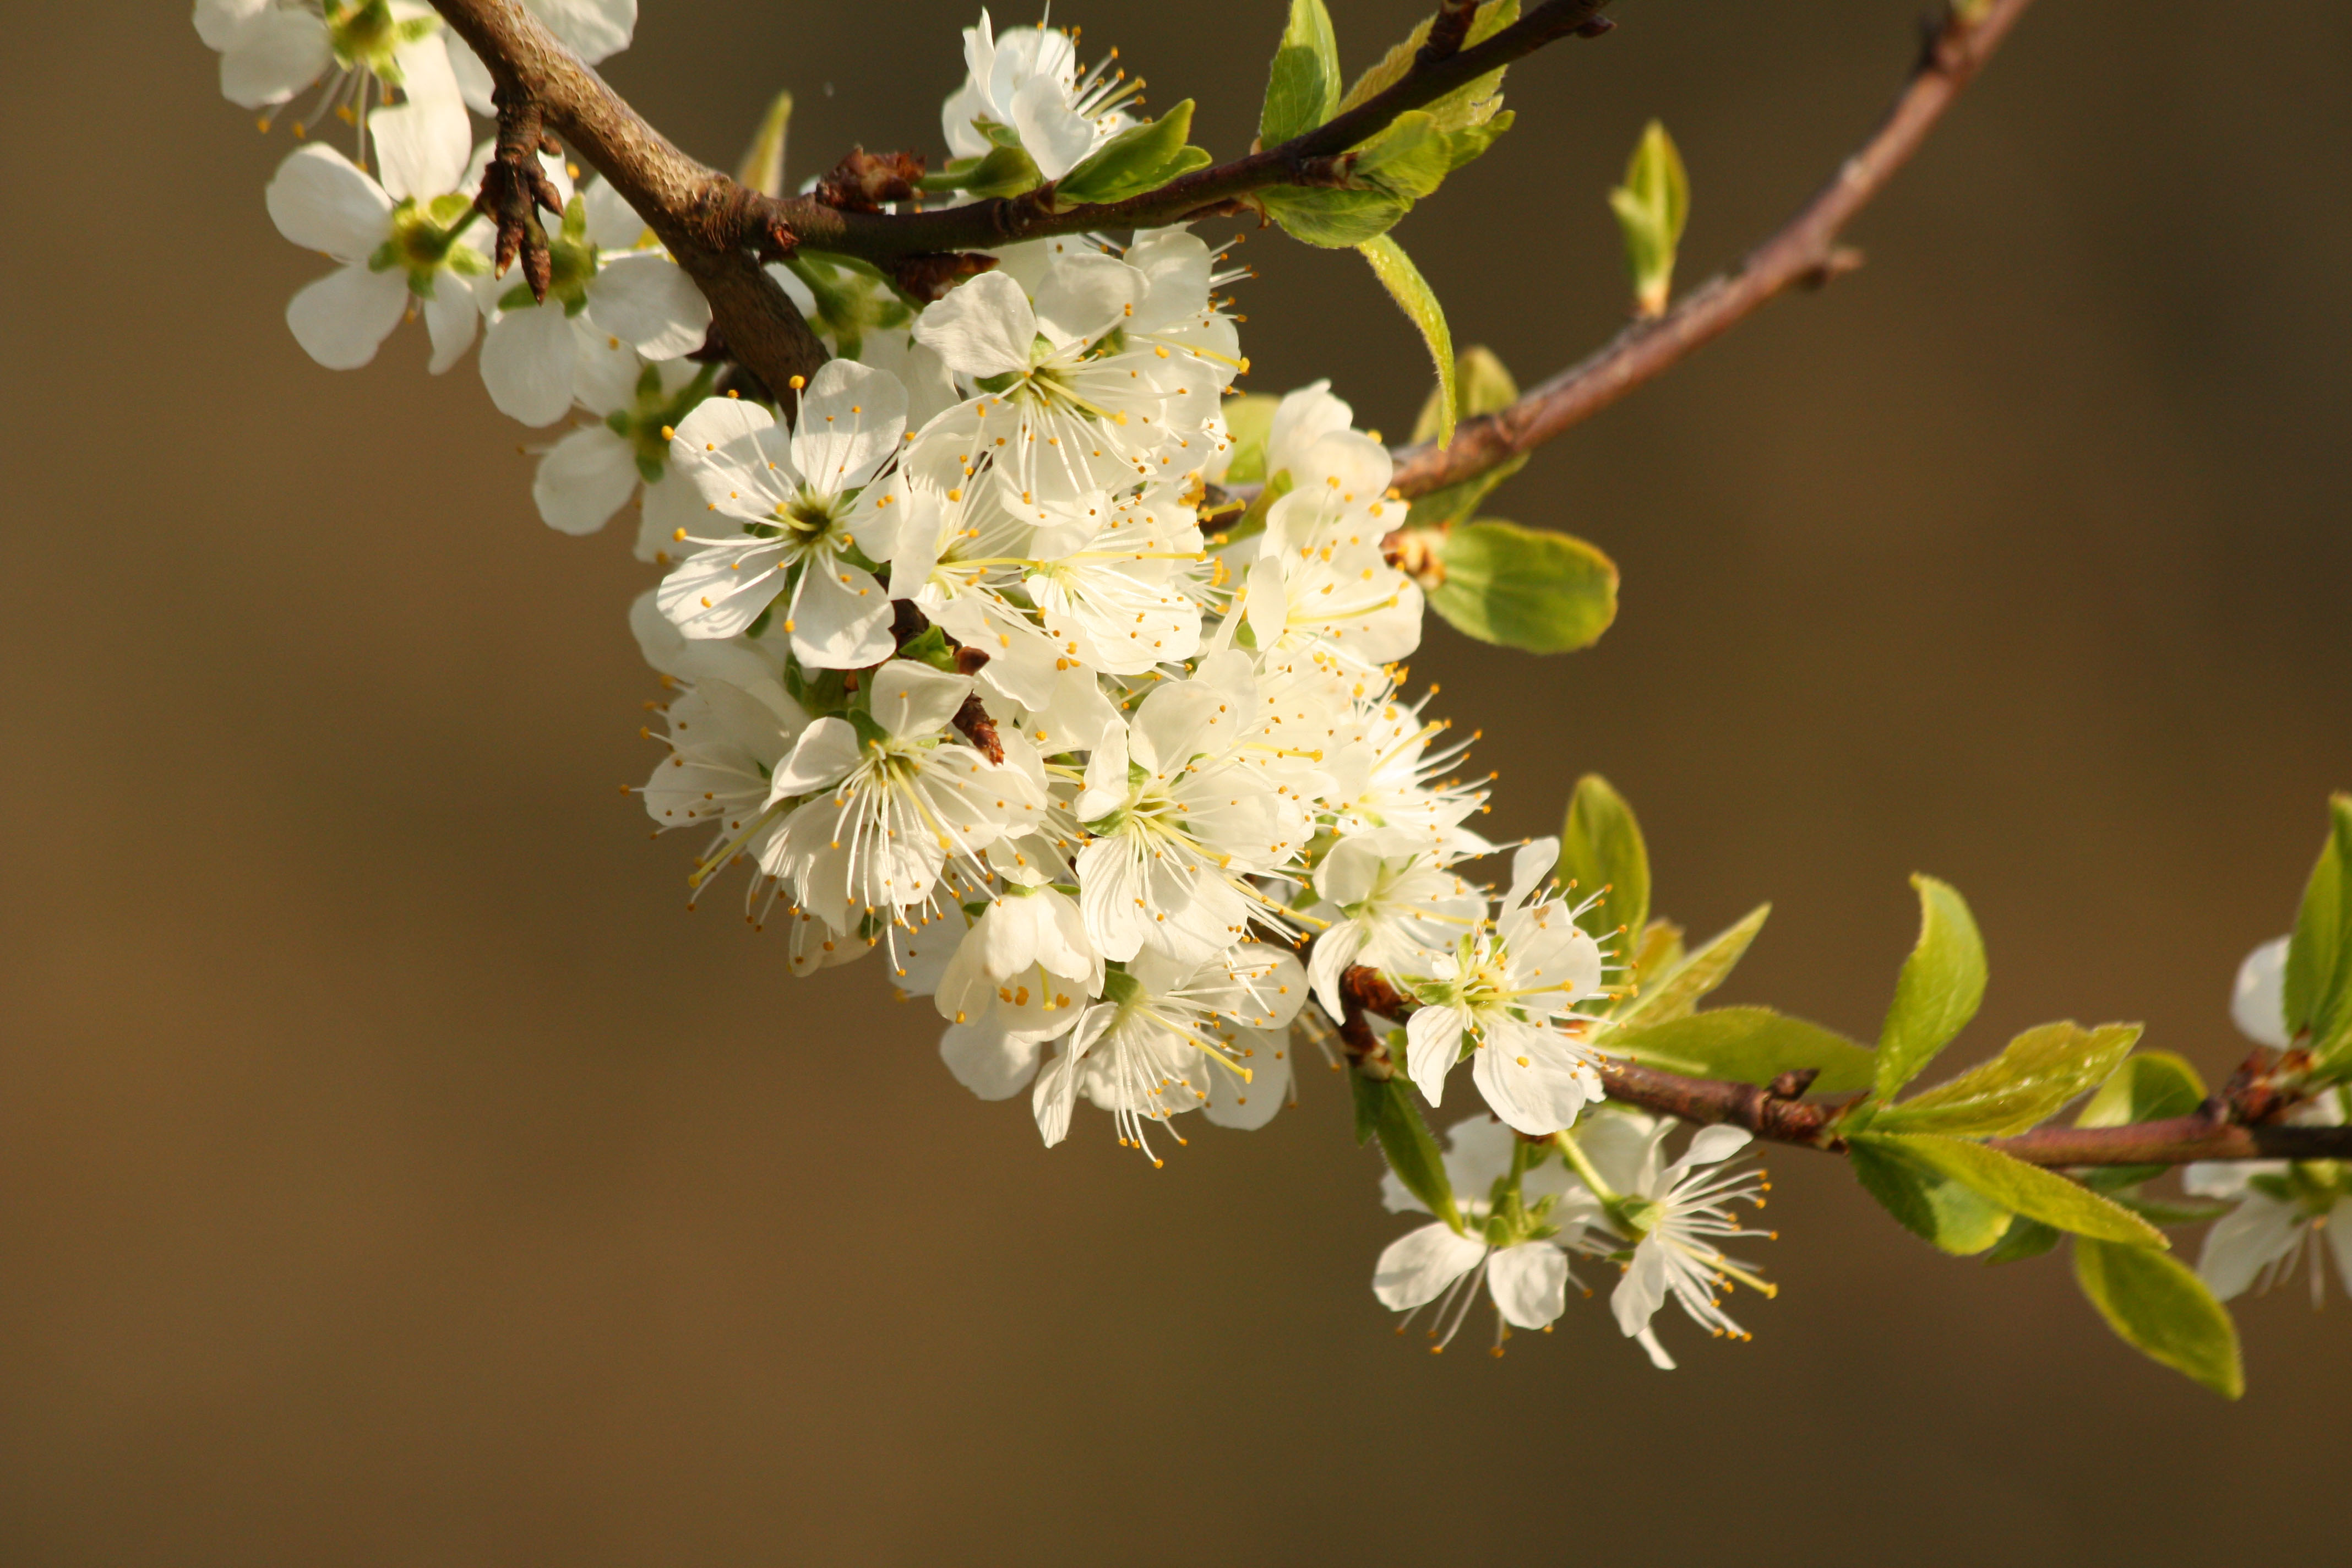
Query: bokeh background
(392,1171)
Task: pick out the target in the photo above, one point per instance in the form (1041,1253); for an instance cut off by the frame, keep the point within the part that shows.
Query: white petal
(988,1061)
(1251,1104)
(594,29)
(1648,1340)
(913,700)
(273,56)
(1534,858)
(583,480)
(1052,132)
(473,77)
(1085,295)
(825,753)
(1433,1043)
(1300,420)
(647,301)
(841,616)
(342,319)
(1415,1268)
(2244,1242)
(717,593)
(1641,1287)
(452,317)
(422,146)
(605,370)
(737,456)
(527,364)
(320,200)
(218,20)
(2258,1003)
(614,224)
(848,426)
(1054,1096)
(983,327)
(1530,1283)
(1529,1078)
(1710,1144)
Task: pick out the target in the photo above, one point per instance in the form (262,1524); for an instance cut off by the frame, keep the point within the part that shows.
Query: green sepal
(1139,158)
(1677,993)
(1386,1106)
(2016,1186)
(2030,1082)
(1938,990)
(2317,991)
(1520,588)
(1600,846)
(869,728)
(2156,1305)
(1302,85)
(1652,207)
(1004,172)
(931,649)
(1419,302)
(1744,1045)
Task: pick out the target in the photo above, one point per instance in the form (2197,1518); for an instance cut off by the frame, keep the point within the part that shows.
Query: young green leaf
(1482,385)
(1538,592)
(1600,847)
(1745,1044)
(1409,157)
(1937,993)
(2149,1086)
(1387,1106)
(1678,992)
(1335,219)
(2318,986)
(1456,503)
(1660,952)
(763,169)
(1651,207)
(1249,422)
(1139,158)
(2018,1188)
(2033,1079)
(1414,295)
(2156,1305)
(1924,1201)
(1302,89)
(1396,64)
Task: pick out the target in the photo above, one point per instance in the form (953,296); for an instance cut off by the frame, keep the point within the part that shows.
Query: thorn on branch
(514,187)
(1840,260)
(862,182)
(928,278)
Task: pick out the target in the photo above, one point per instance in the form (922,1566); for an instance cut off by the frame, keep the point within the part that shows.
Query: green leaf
(1522,588)
(2033,1079)
(2168,1211)
(1413,296)
(1677,993)
(1927,1202)
(2318,988)
(1652,207)
(762,168)
(1385,1107)
(1600,847)
(2149,1086)
(1139,158)
(1454,503)
(1471,116)
(1302,89)
(2018,1188)
(1409,157)
(2157,1306)
(1249,423)
(2024,1239)
(1745,1044)
(1335,219)
(1396,64)
(1660,952)
(1941,984)
(1482,385)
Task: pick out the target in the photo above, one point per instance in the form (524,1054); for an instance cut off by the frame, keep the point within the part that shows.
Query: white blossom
(1026,81)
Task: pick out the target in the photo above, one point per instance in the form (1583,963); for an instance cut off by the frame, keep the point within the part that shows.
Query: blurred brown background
(392,1172)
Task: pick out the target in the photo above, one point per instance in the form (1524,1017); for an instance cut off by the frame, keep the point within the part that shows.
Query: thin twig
(1805,250)
(1777,1112)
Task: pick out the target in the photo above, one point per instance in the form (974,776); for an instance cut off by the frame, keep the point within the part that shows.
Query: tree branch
(693,210)
(1777,1112)
(1804,251)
